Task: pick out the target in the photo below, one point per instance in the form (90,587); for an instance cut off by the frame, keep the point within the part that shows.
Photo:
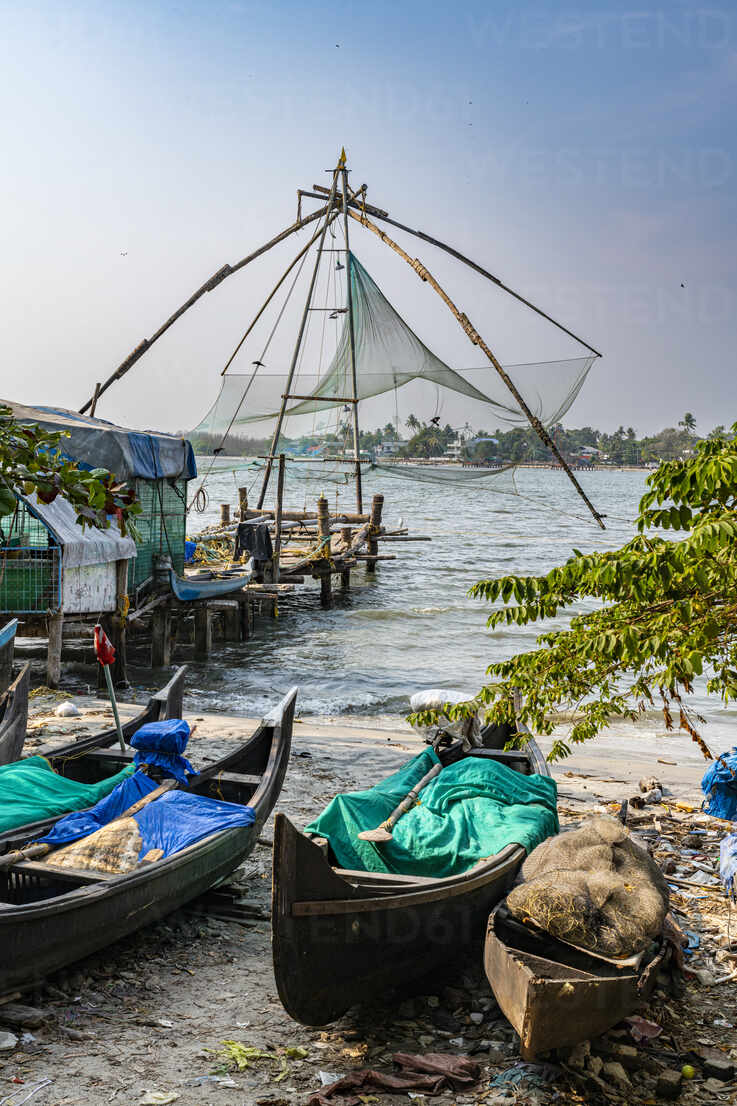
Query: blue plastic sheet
(720,787)
(170,823)
(189,551)
(162,743)
(728,863)
(179,819)
(82,823)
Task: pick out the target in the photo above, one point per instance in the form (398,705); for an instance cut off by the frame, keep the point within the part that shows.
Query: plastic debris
(13,1099)
(7,1041)
(642,1029)
(537,1075)
(159,1098)
(67,710)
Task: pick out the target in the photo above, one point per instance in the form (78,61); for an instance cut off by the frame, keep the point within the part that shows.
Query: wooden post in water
(377,506)
(323,535)
(53,658)
(243,503)
(225,514)
(202,630)
(161,636)
(119,671)
(277,516)
(346,534)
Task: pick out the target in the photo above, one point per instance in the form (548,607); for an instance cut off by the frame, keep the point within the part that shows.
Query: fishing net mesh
(389,358)
(595,888)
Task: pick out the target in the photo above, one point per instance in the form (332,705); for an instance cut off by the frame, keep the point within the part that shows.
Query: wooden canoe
(14,717)
(555,995)
(52,917)
(189,589)
(342,937)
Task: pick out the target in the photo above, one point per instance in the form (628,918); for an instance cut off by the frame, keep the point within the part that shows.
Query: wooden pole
(225,514)
(118,637)
(53,658)
(243,503)
(161,636)
(202,630)
(298,345)
(323,533)
(95,398)
(277,516)
(208,286)
(352,343)
(477,340)
(377,506)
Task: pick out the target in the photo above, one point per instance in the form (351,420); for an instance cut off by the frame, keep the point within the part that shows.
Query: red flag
(104,650)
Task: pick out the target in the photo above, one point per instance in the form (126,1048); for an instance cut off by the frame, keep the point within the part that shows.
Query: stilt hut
(50,566)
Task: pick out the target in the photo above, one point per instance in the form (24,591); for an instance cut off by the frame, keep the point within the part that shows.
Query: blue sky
(586,154)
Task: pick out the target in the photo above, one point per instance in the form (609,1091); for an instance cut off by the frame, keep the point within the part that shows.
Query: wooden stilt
(245,613)
(225,514)
(53,661)
(278,516)
(161,636)
(118,625)
(323,534)
(202,630)
(243,503)
(377,506)
(231,622)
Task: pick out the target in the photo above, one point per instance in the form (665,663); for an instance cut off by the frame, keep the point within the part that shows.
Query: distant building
(388,449)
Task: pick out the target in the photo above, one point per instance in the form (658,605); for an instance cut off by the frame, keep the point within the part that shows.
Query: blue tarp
(84,822)
(728,863)
(720,787)
(170,823)
(189,551)
(128,454)
(162,743)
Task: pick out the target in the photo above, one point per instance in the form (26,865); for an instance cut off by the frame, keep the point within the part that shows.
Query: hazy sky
(584,153)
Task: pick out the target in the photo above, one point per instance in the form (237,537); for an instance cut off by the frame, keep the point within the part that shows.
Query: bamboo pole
(384,216)
(208,286)
(477,340)
(298,344)
(352,342)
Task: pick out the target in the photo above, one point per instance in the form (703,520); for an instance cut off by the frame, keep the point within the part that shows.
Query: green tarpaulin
(31,790)
(471,810)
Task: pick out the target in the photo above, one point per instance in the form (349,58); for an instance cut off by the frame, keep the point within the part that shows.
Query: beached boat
(342,937)
(51,917)
(556,995)
(14,716)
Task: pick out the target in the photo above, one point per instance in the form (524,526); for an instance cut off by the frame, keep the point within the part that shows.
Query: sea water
(413,625)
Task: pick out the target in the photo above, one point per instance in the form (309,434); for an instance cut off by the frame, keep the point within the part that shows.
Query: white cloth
(88,546)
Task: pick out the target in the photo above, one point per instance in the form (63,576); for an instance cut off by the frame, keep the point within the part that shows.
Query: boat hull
(50,918)
(14,722)
(560,999)
(340,938)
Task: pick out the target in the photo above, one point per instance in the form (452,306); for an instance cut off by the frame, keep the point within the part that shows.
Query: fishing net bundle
(595,888)
(114,848)
(390,358)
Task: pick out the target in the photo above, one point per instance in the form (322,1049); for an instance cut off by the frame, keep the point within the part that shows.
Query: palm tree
(413,423)
(688,422)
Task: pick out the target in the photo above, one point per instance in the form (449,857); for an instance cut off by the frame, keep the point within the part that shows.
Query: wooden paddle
(32,852)
(384,831)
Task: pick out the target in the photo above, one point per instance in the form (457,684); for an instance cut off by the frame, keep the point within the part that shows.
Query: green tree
(669,613)
(688,422)
(31,460)
(413,423)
